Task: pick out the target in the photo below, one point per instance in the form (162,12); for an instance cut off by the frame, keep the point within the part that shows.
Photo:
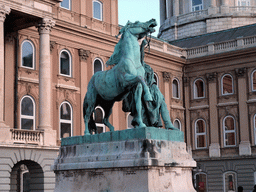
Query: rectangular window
(197,5)
(66,4)
(243,2)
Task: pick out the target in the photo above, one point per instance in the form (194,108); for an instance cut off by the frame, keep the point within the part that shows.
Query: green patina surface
(124,135)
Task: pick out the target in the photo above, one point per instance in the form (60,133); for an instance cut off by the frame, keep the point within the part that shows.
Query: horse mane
(116,56)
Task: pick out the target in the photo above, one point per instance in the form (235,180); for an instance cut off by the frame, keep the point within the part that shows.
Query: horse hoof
(173,128)
(148,97)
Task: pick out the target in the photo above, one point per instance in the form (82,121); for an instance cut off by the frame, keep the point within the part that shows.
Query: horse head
(139,29)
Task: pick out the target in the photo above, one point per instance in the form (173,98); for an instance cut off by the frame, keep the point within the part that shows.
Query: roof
(215,37)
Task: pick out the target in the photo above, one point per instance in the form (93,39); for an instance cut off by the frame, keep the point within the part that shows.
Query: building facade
(49,50)
(184,18)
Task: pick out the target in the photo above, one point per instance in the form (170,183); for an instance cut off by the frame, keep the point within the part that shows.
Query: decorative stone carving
(211,77)
(4,10)
(240,72)
(52,45)
(166,76)
(45,25)
(83,54)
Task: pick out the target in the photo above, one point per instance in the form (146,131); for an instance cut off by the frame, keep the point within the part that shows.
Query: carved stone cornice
(45,25)
(166,76)
(52,45)
(211,77)
(240,72)
(4,10)
(83,54)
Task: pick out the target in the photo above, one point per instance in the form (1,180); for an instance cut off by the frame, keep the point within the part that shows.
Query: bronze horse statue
(107,87)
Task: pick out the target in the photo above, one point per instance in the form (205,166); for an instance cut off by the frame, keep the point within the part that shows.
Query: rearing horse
(106,87)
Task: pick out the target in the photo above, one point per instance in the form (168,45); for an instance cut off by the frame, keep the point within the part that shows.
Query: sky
(139,10)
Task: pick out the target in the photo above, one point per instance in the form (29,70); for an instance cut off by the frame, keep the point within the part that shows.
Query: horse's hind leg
(89,105)
(108,112)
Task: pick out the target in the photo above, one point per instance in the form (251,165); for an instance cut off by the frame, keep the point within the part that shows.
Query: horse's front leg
(108,112)
(132,79)
(138,103)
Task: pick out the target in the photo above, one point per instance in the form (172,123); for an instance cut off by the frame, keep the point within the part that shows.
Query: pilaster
(214,148)
(244,146)
(83,55)
(4,10)
(166,78)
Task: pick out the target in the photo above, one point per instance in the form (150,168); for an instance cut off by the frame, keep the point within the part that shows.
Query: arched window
(97,10)
(229,131)
(156,79)
(230,182)
(175,89)
(28,54)
(66,117)
(227,84)
(177,124)
(65,63)
(200,182)
(97,65)
(197,5)
(200,134)
(98,118)
(129,121)
(27,113)
(66,4)
(253,77)
(199,91)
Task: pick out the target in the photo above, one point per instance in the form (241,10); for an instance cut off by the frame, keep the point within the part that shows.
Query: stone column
(162,11)
(245,145)
(224,7)
(214,148)
(176,8)
(212,9)
(4,10)
(45,81)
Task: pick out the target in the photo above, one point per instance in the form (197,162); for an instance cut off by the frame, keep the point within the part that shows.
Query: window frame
(101,9)
(69,5)
(100,124)
(178,88)
(66,121)
(194,88)
(127,121)
(239,3)
(199,5)
(254,128)
(200,134)
(229,131)
(33,58)
(157,79)
(235,180)
(254,71)
(178,122)
(27,116)
(70,63)
(222,92)
(206,184)
(102,65)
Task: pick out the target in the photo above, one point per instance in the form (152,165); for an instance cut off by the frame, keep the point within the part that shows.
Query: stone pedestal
(137,160)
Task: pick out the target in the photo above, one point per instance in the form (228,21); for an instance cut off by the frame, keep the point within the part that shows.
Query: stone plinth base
(146,159)
(134,179)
